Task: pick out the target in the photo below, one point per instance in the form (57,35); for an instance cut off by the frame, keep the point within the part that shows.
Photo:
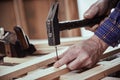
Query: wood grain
(37,63)
(23,68)
(96,73)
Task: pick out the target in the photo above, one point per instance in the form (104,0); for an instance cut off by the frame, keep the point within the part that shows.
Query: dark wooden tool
(16,44)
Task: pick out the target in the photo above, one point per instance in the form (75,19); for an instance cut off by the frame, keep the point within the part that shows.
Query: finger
(87,28)
(60,56)
(93,29)
(87,64)
(65,59)
(78,62)
(103,20)
(91,12)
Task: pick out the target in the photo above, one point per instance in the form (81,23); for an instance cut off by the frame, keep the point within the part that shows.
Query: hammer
(54,26)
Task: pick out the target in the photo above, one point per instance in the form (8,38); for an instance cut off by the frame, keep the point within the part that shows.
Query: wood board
(34,64)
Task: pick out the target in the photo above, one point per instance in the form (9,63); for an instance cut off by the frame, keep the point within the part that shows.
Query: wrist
(102,46)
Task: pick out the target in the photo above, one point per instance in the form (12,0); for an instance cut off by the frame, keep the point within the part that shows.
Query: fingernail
(71,68)
(86,15)
(56,65)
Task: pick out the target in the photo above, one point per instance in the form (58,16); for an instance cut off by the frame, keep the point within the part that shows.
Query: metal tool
(1,32)
(16,44)
(54,26)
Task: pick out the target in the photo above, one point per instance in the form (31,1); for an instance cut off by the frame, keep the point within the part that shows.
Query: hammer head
(52,24)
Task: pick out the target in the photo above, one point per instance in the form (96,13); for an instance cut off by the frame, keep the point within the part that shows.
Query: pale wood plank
(46,74)
(110,78)
(96,73)
(100,71)
(64,42)
(28,66)
(18,60)
(4,67)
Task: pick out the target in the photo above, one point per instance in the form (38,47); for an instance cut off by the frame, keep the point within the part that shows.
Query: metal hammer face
(52,24)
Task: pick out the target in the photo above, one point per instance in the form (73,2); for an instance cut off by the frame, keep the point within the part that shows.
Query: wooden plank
(96,73)
(20,14)
(64,42)
(28,66)
(111,78)
(4,67)
(104,69)
(111,52)
(19,60)
(46,74)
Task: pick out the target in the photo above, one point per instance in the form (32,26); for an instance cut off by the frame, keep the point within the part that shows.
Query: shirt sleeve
(109,30)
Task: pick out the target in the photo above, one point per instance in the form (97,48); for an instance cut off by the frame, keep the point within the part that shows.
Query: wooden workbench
(36,68)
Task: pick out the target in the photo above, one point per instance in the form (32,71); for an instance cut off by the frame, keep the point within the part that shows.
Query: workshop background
(31,15)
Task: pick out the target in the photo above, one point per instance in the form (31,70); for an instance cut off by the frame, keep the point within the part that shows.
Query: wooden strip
(20,14)
(110,78)
(28,66)
(104,70)
(64,42)
(96,73)
(19,60)
(110,53)
(4,67)
(46,74)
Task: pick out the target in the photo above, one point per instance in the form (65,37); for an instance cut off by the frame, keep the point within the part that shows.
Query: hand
(83,54)
(101,7)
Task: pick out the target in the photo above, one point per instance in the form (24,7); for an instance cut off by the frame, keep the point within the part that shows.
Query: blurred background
(31,15)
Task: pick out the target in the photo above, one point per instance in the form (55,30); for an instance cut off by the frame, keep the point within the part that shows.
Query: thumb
(91,12)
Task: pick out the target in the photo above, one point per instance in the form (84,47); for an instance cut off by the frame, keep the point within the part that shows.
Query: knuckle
(86,56)
(90,62)
(59,63)
(71,67)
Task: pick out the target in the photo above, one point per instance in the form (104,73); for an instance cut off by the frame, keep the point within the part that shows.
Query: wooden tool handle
(21,37)
(80,23)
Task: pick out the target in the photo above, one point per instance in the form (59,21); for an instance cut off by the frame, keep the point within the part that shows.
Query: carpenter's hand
(83,54)
(101,7)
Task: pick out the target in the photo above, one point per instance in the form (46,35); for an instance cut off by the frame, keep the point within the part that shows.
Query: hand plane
(54,26)
(16,44)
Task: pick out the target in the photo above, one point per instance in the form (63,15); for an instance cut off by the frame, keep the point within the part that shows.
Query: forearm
(109,30)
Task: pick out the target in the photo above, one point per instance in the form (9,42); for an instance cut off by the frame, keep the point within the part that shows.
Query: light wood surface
(47,59)
(111,78)
(28,66)
(96,73)
(46,74)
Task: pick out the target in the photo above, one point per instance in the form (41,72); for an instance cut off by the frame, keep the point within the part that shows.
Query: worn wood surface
(46,74)
(95,73)
(28,66)
(42,61)
(110,78)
